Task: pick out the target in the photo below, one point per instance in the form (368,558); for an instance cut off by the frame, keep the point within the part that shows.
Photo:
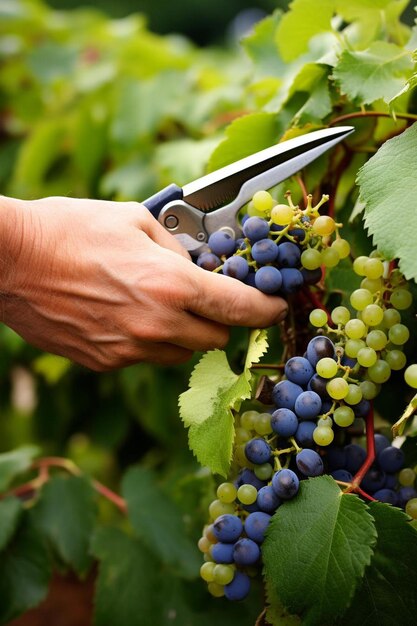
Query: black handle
(157,202)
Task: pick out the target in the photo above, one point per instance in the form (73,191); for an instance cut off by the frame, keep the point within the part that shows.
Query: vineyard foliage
(99,468)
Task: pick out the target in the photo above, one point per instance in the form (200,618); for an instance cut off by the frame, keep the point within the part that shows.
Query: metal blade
(269,167)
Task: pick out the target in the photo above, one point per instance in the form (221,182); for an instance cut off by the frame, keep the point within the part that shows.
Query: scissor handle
(156,203)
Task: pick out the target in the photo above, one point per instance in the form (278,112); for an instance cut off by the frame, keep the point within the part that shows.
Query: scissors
(210,203)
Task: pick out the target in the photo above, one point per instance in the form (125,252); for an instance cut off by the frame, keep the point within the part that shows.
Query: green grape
(372,284)
(204,544)
(242,435)
(247,419)
(247,494)
(401,299)
(344,416)
(354,395)
(374,268)
(337,388)
(410,375)
(263,201)
(355,329)
(218,508)
(376,254)
(282,214)
(326,422)
(411,508)
(391,317)
(327,367)
(226,492)
(399,334)
(252,211)
(369,389)
(376,339)
(264,471)
(311,259)
(324,225)
(340,315)
(396,359)
(352,347)
(323,436)
(359,265)
(223,574)
(372,315)
(407,477)
(208,532)
(329,257)
(380,372)
(360,298)
(318,318)
(240,456)
(263,424)
(342,247)
(206,571)
(367,357)
(207,558)
(396,278)
(216,590)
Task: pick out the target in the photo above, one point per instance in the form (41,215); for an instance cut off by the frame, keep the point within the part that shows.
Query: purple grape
(307,405)
(247,477)
(405,494)
(246,552)
(298,370)
(221,243)
(256,525)
(373,480)
(268,500)
(284,422)
(264,251)
(320,347)
(239,588)
(355,457)
(285,393)
(222,552)
(318,384)
(309,463)
(362,408)
(304,434)
(342,475)
(386,495)
(227,528)
(289,254)
(208,261)
(391,459)
(292,280)
(255,229)
(311,277)
(258,451)
(236,267)
(381,442)
(285,483)
(268,279)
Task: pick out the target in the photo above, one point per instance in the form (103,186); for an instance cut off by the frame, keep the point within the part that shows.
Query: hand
(105,285)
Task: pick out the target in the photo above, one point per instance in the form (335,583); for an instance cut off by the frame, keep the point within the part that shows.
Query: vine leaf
(127,581)
(25,571)
(388,187)
(398,427)
(15,462)
(388,592)
(206,407)
(261,47)
(375,73)
(158,522)
(316,550)
(65,515)
(10,512)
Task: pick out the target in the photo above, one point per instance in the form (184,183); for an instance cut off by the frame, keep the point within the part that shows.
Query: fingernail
(282,315)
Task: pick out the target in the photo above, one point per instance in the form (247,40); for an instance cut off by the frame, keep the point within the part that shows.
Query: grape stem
(43,465)
(349,116)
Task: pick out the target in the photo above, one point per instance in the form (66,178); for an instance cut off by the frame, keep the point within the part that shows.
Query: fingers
(157,232)
(195,333)
(230,302)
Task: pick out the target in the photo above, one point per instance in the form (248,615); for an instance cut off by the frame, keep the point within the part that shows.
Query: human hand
(104,284)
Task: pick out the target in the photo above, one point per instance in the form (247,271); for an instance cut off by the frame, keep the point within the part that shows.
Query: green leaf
(158,522)
(388,593)
(400,424)
(10,511)
(316,550)
(24,572)
(300,24)
(185,159)
(388,187)
(206,408)
(245,136)
(65,515)
(375,73)
(262,48)
(127,585)
(409,86)
(51,366)
(14,463)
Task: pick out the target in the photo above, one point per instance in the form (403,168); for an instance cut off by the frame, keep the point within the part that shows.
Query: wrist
(11,231)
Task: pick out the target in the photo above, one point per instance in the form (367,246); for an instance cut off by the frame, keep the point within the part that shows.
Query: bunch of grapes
(283,247)
(307,429)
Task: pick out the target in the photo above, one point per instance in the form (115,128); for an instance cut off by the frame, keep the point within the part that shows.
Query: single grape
(265,251)
(284,422)
(391,459)
(343,475)
(318,384)
(246,552)
(223,574)
(256,525)
(369,389)
(242,435)
(325,422)
(367,357)
(399,334)
(263,424)
(372,285)
(218,508)
(344,416)
(247,419)
(318,348)
(258,451)
(206,571)
(318,318)
(372,315)
(340,315)
(204,544)
(362,408)
(373,480)
(376,339)
(226,492)
(361,298)
(236,267)
(307,405)
(330,257)
(381,442)
(292,280)
(216,590)
(268,500)
(311,259)
(401,299)
(373,268)
(355,329)
(298,370)
(263,472)
(337,388)
(355,457)
(227,528)
(386,495)
(391,317)
(255,228)
(247,494)
(263,201)
(288,254)
(285,483)
(379,372)
(221,243)
(309,463)
(410,375)
(324,225)
(342,247)
(405,494)
(208,261)
(248,477)
(411,508)
(282,214)
(396,359)
(311,277)
(407,477)
(268,279)
(304,434)
(323,435)
(208,532)
(222,552)
(354,394)
(352,347)
(327,367)
(285,393)
(239,588)
(359,265)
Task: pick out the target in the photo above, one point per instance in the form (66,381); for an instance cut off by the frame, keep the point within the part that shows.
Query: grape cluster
(283,247)
(306,433)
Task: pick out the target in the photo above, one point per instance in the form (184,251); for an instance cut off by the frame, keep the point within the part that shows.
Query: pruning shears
(210,203)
